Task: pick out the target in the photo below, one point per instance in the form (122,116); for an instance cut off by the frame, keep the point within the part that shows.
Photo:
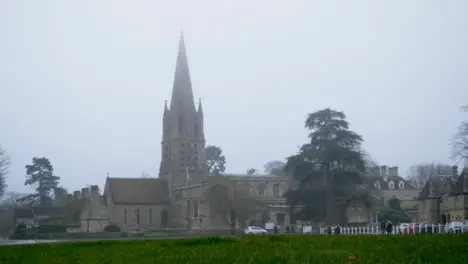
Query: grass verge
(308,249)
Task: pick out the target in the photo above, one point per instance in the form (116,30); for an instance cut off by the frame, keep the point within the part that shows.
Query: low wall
(68,236)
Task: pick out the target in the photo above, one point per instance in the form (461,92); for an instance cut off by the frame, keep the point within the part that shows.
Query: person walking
(389,227)
(383,225)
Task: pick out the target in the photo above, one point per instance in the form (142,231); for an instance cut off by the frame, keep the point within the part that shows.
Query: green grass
(404,249)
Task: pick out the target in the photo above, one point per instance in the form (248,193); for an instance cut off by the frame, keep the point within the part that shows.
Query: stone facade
(444,198)
(385,184)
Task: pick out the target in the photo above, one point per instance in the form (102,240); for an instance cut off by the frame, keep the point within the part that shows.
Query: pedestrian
(287,229)
(389,227)
(382,227)
(275,229)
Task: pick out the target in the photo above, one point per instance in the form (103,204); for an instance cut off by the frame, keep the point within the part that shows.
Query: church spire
(182,94)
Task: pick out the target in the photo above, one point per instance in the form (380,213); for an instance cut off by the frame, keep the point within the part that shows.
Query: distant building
(385,184)
(444,198)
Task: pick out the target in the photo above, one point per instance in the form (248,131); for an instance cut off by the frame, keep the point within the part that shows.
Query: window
(276,190)
(391,185)
(393,196)
(150,216)
(125,216)
(377,185)
(195,208)
(137,215)
(401,185)
(261,190)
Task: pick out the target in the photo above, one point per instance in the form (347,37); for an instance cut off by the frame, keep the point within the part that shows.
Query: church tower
(183,142)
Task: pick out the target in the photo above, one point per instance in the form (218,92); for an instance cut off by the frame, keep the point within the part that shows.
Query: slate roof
(384,184)
(138,191)
(439,185)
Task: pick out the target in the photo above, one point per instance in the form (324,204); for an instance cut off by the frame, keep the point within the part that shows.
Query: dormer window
(391,185)
(377,185)
(401,185)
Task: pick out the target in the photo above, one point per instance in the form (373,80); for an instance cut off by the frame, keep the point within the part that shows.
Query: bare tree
(4,165)
(232,202)
(460,140)
(419,174)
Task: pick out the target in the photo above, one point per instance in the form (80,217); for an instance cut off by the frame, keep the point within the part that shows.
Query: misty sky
(84,82)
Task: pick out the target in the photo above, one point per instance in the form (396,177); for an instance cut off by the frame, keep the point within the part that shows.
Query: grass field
(406,249)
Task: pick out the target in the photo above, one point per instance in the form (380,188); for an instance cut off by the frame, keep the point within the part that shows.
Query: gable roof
(439,185)
(384,183)
(138,191)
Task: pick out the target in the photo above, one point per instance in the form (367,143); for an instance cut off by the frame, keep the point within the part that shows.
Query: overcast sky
(83,83)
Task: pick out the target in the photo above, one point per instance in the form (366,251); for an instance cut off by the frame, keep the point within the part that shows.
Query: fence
(397,229)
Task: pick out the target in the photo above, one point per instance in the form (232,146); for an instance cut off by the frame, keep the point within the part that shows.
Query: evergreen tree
(40,175)
(328,169)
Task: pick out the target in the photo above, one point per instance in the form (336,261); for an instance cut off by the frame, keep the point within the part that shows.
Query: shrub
(112,228)
(47,229)
(20,229)
(359,249)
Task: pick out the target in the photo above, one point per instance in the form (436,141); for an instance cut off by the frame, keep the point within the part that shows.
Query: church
(178,198)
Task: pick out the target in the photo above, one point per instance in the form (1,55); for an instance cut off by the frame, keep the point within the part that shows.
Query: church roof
(138,191)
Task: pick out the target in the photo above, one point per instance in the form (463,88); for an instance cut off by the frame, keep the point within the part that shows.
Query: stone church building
(178,198)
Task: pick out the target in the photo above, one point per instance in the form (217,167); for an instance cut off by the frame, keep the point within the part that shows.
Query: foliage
(362,249)
(328,169)
(394,213)
(251,172)
(40,174)
(419,174)
(215,160)
(112,228)
(232,201)
(4,165)
(274,167)
(460,140)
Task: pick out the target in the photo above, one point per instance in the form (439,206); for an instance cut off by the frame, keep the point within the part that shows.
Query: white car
(255,230)
(456,227)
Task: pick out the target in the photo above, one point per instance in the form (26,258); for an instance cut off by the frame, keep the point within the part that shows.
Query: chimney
(85,193)
(376,171)
(390,171)
(395,170)
(94,191)
(455,172)
(383,171)
(76,195)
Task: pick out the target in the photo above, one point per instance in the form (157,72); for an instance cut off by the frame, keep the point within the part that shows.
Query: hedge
(357,249)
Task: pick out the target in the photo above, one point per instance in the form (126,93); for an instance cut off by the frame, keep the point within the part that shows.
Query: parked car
(454,227)
(255,230)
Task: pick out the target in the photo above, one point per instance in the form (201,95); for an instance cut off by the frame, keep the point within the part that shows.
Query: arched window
(261,190)
(137,216)
(401,185)
(248,188)
(391,185)
(276,190)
